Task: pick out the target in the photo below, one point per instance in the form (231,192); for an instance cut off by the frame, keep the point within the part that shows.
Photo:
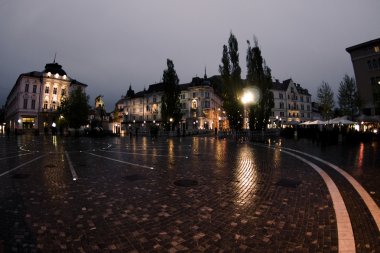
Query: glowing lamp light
(53,124)
(247,98)
(251,95)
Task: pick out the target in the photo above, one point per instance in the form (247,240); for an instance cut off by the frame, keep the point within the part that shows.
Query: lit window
(56,75)
(194,104)
(45,105)
(64,76)
(49,74)
(376,49)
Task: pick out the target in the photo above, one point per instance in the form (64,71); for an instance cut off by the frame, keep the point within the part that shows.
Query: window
(47,89)
(194,104)
(374,64)
(369,64)
(207,104)
(288,106)
(53,106)
(55,90)
(34,88)
(33,104)
(183,105)
(281,105)
(183,96)
(63,92)
(27,87)
(25,103)
(301,98)
(45,105)
(207,94)
(308,107)
(281,96)
(194,94)
(282,114)
(302,107)
(154,99)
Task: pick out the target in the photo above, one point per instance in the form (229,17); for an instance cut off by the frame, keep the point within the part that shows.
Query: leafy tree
(75,108)
(326,100)
(259,75)
(170,102)
(232,85)
(348,98)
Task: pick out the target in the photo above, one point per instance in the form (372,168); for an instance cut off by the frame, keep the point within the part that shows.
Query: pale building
(200,106)
(292,103)
(33,101)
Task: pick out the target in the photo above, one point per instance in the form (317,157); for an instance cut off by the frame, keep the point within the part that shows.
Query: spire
(55,55)
(205,77)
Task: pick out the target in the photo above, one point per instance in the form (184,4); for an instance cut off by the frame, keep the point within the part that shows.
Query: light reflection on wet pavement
(119,204)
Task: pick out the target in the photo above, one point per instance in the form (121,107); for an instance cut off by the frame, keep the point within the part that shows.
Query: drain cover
(185,182)
(134,177)
(20,176)
(290,183)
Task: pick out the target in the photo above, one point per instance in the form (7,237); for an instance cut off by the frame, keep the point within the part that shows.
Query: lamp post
(247,98)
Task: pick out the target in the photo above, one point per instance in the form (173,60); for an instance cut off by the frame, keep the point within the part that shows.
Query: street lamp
(247,98)
(171,121)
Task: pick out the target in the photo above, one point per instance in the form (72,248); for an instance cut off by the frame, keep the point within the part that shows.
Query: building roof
(362,45)
(285,84)
(73,81)
(54,68)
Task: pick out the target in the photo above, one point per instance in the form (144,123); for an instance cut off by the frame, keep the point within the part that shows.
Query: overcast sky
(111,44)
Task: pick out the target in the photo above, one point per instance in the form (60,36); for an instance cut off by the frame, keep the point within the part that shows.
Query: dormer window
(64,77)
(56,75)
(48,74)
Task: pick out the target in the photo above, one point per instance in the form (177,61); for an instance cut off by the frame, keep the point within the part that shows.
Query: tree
(170,102)
(326,100)
(348,98)
(75,108)
(232,85)
(259,75)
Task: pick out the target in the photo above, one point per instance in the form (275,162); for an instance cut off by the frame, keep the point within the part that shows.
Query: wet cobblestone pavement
(129,197)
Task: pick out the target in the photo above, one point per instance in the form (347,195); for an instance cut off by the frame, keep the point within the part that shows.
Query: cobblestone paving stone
(237,206)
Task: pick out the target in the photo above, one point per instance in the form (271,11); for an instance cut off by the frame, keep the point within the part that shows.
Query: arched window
(194,104)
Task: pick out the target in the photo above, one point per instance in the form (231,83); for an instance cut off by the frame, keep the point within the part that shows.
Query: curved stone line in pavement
(370,203)
(346,240)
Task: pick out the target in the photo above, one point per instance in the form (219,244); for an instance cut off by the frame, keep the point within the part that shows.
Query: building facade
(34,99)
(200,107)
(292,104)
(365,59)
